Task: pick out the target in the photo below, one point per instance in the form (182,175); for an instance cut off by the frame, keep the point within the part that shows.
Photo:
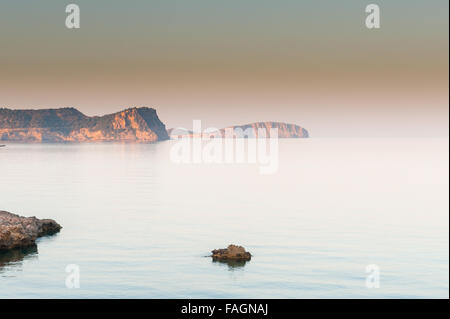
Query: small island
(252,130)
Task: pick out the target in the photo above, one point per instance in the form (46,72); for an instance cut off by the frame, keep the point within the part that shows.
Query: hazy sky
(312,63)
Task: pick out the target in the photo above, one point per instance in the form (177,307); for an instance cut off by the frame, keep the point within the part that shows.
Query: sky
(312,63)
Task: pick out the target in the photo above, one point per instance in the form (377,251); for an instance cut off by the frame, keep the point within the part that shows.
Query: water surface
(139,226)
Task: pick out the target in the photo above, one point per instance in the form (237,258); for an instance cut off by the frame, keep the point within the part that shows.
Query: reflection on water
(232,264)
(16,256)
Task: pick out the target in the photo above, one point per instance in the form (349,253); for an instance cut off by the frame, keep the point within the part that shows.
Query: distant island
(70,125)
(137,124)
(285,130)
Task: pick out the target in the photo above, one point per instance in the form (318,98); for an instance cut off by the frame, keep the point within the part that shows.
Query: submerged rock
(231,263)
(232,252)
(16,255)
(20,232)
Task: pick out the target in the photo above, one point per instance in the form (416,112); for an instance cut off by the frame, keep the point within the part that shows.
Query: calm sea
(139,226)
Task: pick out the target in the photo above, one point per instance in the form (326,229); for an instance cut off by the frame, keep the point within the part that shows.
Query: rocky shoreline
(21,232)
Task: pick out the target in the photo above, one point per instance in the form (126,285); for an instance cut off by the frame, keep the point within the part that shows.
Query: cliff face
(70,125)
(250,130)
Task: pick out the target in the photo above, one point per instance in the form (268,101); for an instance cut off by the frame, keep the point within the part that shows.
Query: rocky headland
(70,125)
(21,232)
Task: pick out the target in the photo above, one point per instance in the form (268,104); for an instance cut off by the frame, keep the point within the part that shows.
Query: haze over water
(140,226)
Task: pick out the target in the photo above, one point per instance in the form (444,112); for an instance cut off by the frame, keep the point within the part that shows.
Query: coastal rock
(70,125)
(285,130)
(232,252)
(20,232)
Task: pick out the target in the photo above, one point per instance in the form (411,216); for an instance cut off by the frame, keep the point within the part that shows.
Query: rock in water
(20,232)
(232,252)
